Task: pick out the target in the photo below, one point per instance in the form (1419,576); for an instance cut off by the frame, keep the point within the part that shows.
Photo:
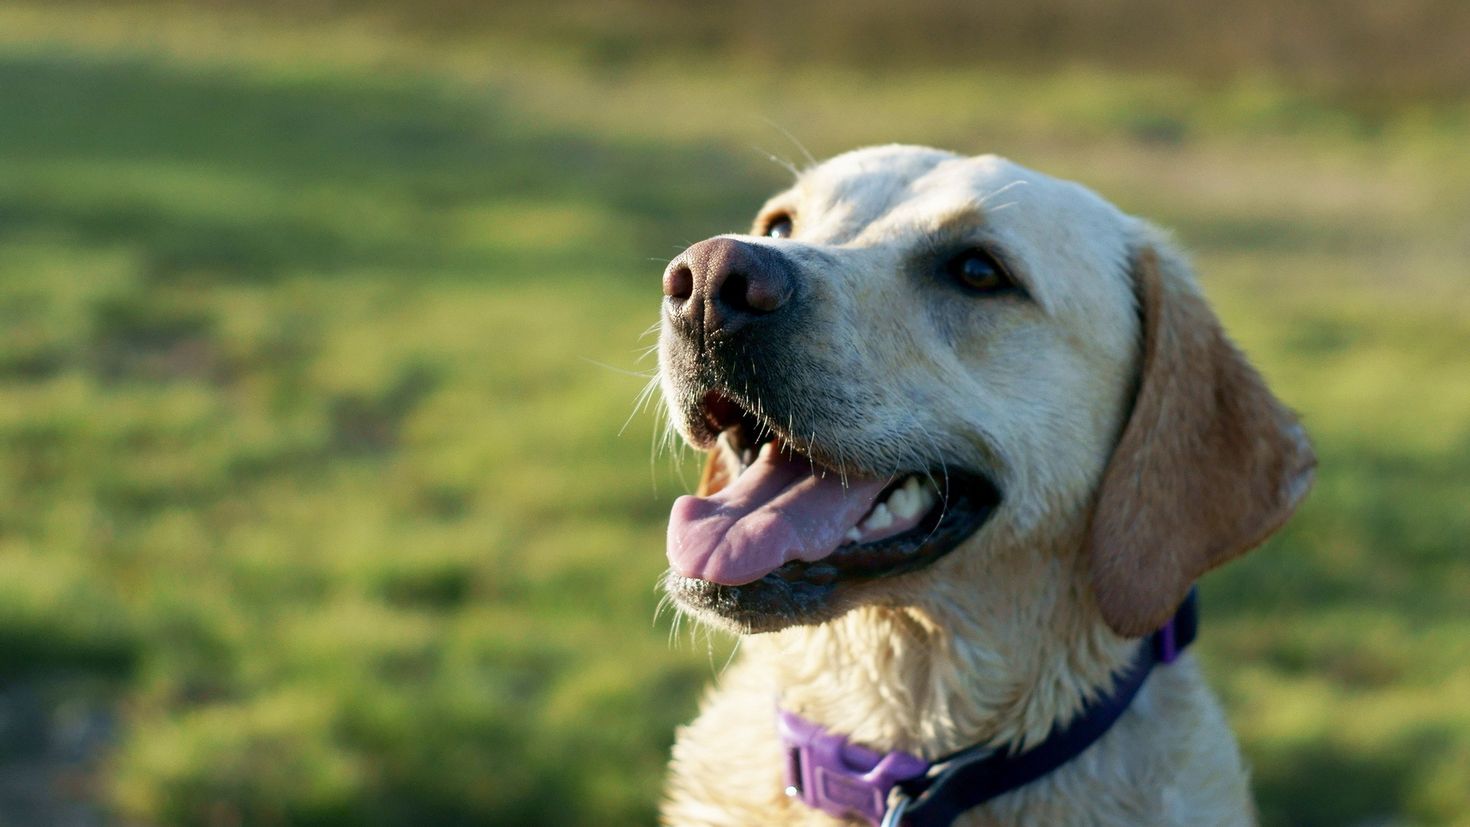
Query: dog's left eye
(779,226)
(978,270)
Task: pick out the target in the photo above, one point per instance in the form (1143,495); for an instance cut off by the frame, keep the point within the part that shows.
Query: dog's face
(913,357)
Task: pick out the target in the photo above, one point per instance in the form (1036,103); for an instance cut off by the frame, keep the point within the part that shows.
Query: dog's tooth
(925,494)
(901,504)
(880,518)
(854,534)
(916,504)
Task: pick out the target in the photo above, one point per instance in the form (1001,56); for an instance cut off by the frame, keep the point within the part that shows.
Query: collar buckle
(840,778)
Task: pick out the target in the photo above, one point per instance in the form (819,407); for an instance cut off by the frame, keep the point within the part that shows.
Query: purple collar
(842,779)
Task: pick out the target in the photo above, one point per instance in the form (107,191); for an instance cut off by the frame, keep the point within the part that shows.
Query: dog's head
(917,356)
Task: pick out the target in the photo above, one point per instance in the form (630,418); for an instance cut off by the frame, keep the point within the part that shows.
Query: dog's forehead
(917,185)
(887,193)
(876,175)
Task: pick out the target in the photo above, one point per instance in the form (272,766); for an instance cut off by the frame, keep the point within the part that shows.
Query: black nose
(724,284)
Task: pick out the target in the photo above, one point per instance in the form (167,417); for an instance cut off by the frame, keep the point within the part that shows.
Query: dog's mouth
(780,530)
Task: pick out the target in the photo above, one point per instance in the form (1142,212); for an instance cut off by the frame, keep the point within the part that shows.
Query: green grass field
(317,345)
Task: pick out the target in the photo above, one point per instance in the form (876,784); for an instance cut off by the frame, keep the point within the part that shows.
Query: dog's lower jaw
(928,681)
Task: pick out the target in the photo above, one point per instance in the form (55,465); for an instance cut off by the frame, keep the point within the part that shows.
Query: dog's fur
(1135,449)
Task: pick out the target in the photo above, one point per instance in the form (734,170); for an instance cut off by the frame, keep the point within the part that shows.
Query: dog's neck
(989,666)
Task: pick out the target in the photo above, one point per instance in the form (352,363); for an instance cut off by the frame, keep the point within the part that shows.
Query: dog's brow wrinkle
(959,217)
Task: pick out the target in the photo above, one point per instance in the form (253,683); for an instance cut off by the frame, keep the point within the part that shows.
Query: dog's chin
(767,605)
(811,592)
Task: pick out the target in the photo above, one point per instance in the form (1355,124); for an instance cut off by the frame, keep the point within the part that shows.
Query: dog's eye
(779,226)
(978,270)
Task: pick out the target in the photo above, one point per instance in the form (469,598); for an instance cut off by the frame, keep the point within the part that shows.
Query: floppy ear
(1209,464)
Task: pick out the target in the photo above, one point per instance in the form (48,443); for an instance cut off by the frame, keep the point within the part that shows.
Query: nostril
(679,282)
(766,295)
(758,294)
(734,292)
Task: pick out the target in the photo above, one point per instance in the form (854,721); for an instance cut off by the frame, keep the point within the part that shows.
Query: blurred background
(324,496)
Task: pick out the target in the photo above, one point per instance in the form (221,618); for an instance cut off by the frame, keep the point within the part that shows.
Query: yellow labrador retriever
(973,433)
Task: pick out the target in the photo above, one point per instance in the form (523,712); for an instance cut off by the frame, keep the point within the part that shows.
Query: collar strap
(898,789)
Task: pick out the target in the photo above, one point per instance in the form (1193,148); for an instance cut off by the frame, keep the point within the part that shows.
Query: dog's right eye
(778,226)
(979,272)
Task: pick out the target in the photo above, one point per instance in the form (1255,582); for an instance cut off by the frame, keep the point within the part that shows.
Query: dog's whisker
(1019,182)
(665,602)
(653,454)
(730,658)
(641,374)
(640,403)
(779,161)
(810,159)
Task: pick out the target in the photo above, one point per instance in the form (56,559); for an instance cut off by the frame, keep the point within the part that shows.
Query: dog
(973,434)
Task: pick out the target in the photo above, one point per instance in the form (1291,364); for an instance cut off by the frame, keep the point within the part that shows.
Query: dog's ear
(1209,464)
(715,475)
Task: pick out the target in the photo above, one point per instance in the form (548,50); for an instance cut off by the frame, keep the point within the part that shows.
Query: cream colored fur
(1002,639)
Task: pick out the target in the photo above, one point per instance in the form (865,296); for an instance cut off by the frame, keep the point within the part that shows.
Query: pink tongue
(775,512)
